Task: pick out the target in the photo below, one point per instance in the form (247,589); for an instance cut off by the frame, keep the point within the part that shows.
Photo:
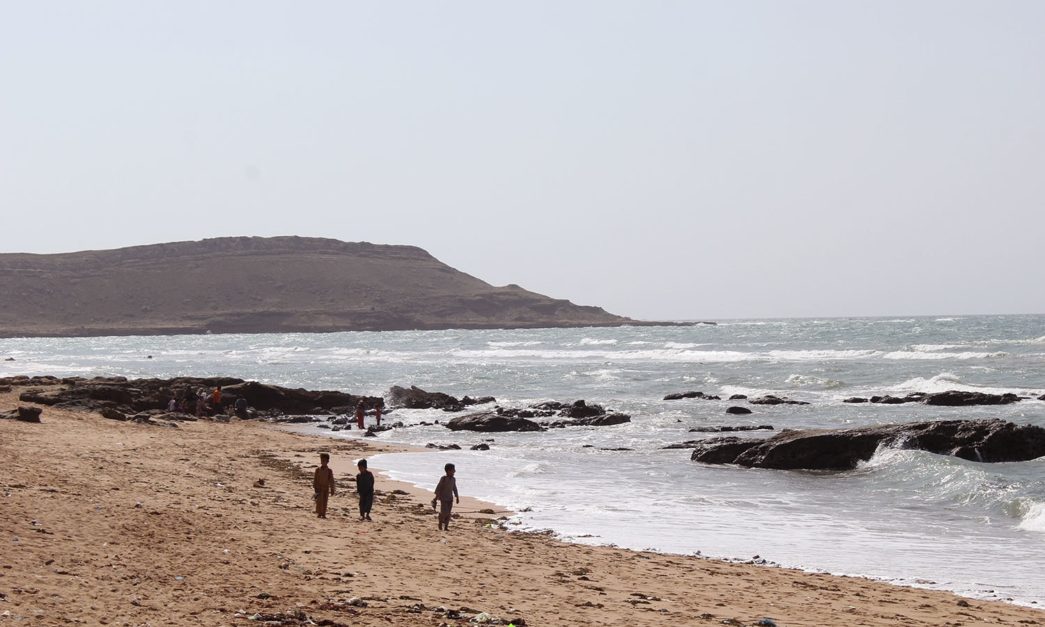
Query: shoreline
(387,447)
(114,522)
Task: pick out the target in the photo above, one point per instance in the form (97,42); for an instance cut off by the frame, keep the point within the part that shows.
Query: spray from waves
(1032,516)
(810,381)
(950,481)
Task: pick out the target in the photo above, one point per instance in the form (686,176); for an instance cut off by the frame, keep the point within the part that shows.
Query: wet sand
(115,523)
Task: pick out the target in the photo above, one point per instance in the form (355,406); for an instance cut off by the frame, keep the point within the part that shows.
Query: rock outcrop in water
(416,398)
(976,440)
(950,398)
(132,396)
(491,422)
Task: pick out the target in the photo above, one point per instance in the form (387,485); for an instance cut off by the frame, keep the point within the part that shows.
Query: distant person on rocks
(172,406)
(241,407)
(323,485)
(360,414)
(201,403)
(365,489)
(445,493)
(215,400)
(377,413)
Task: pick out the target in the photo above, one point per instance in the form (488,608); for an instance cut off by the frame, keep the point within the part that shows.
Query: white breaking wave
(933,348)
(946,381)
(682,345)
(1033,518)
(510,344)
(590,341)
(820,355)
(807,380)
(935,355)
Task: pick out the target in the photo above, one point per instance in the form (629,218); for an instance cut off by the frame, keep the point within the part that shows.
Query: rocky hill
(260,285)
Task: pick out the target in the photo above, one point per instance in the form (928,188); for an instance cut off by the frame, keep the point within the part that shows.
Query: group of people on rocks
(204,403)
(324,486)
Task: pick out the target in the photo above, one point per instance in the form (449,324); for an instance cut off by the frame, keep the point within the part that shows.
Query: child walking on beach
(445,493)
(365,488)
(323,485)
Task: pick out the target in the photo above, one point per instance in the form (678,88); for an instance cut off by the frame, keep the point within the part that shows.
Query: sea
(906,517)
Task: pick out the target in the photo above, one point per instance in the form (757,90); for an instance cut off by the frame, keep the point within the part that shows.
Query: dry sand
(113,523)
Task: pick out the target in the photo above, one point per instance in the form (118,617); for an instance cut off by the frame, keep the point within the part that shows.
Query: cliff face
(261,285)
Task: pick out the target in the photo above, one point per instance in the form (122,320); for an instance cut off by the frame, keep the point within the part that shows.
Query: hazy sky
(692,160)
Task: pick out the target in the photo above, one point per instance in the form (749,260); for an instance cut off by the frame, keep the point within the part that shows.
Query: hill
(262,285)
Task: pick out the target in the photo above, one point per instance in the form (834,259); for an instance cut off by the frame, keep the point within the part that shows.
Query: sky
(662,160)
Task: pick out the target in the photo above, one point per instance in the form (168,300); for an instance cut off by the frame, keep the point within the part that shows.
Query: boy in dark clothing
(445,493)
(323,485)
(365,488)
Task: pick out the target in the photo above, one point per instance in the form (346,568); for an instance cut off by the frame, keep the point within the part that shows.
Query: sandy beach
(116,523)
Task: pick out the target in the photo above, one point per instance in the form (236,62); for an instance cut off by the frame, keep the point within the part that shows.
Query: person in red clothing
(215,400)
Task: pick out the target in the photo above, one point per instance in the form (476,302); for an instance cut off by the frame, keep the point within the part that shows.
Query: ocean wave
(948,481)
(682,345)
(511,344)
(807,380)
(933,348)
(949,381)
(1032,515)
(936,355)
(591,341)
(822,355)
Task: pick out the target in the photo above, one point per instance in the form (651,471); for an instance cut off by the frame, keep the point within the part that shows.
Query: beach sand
(114,523)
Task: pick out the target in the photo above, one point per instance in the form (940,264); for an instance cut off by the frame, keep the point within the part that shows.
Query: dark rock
(891,400)
(737,410)
(686,444)
(594,421)
(443,447)
(23,414)
(5,388)
(416,398)
(491,422)
(294,419)
(580,409)
(770,399)
(723,450)
(113,414)
(855,399)
(738,397)
(680,395)
(552,406)
(481,400)
(955,398)
(731,428)
(481,447)
(295,400)
(977,440)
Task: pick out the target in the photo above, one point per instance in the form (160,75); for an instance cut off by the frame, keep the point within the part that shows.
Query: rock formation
(976,440)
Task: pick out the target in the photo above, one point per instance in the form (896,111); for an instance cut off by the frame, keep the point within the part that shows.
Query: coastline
(113,522)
